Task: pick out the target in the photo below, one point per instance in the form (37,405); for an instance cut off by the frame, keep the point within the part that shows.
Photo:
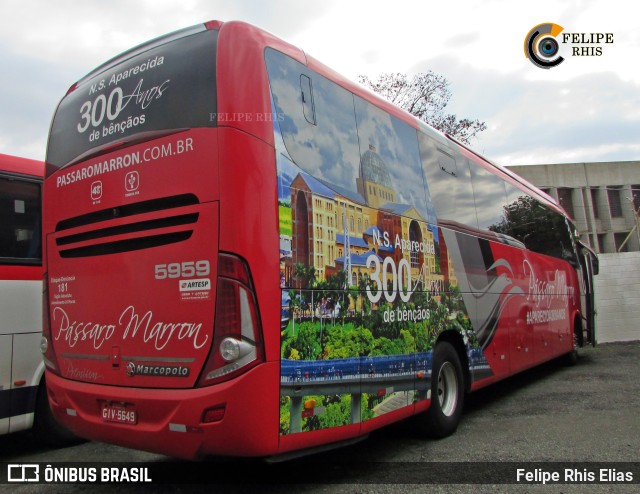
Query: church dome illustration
(373,168)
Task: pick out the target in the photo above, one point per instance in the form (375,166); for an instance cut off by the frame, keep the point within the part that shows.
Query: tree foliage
(425,96)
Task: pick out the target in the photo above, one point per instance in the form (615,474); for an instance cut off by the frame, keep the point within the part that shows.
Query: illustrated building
(336,229)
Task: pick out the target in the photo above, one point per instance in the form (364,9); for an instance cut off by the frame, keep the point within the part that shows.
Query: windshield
(170,85)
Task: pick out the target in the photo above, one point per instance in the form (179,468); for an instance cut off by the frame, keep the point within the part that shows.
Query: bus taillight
(46,343)
(237,341)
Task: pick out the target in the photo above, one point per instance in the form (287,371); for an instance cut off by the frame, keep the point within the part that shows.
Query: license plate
(121,414)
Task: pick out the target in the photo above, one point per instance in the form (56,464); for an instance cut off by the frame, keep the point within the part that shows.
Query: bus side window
(320,138)
(490,197)
(449,181)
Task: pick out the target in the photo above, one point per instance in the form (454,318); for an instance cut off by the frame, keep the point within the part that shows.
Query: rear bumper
(170,421)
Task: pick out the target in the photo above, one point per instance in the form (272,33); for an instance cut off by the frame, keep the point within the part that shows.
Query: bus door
(5,382)
(588,269)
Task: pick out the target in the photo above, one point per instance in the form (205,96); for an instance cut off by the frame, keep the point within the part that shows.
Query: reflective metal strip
(85,356)
(158,359)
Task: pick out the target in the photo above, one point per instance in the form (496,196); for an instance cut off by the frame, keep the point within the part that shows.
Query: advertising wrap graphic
(364,298)
(372,273)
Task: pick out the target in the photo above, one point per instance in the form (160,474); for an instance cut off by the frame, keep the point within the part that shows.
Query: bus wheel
(46,428)
(571,358)
(447,394)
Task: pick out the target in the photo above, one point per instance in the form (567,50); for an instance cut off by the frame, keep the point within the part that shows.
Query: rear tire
(447,394)
(571,358)
(46,429)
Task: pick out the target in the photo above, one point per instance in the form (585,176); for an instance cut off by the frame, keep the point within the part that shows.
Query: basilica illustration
(334,229)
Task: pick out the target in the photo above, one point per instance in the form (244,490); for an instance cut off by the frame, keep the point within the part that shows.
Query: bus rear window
(169,86)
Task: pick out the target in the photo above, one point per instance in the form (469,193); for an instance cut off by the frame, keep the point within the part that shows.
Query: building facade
(602,198)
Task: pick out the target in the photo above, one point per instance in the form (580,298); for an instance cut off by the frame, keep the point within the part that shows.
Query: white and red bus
(247,254)
(23,398)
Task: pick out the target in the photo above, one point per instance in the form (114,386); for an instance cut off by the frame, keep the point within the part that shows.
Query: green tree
(337,411)
(306,344)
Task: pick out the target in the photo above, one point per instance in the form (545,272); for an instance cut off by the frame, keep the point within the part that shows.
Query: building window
(564,197)
(415,235)
(594,202)
(615,205)
(635,191)
(601,243)
(619,238)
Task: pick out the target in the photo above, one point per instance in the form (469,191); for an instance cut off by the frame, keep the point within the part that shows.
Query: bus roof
(24,166)
(259,36)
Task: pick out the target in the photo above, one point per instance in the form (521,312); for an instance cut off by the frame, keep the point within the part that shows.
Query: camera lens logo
(541,46)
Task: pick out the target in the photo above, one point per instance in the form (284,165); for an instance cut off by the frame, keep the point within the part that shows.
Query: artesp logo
(541,46)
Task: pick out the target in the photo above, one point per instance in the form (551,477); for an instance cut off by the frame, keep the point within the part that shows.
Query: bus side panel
(20,358)
(542,305)
(311,439)
(26,372)
(249,222)
(365,290)
(243,87)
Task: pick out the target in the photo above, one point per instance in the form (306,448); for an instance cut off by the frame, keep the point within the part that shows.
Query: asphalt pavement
(551,418)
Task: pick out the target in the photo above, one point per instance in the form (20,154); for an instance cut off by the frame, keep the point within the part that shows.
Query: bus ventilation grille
(116,232)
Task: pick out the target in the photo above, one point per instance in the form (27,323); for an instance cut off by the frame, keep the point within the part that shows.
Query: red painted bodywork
(232,171)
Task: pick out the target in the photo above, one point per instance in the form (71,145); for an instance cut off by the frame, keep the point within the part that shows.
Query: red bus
(247,254)
(23,398)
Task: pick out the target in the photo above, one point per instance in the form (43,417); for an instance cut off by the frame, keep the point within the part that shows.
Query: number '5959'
(187,269)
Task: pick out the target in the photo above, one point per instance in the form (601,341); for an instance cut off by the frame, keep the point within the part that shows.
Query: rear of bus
(159,228)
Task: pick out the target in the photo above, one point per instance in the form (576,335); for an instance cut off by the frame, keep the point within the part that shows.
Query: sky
(585,109)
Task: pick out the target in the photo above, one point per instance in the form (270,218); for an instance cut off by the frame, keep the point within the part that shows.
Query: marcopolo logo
(541,45)
(544,43)
(134,369)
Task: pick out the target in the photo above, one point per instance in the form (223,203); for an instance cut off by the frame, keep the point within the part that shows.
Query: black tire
(46,429)
(571,358)
(447,394)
